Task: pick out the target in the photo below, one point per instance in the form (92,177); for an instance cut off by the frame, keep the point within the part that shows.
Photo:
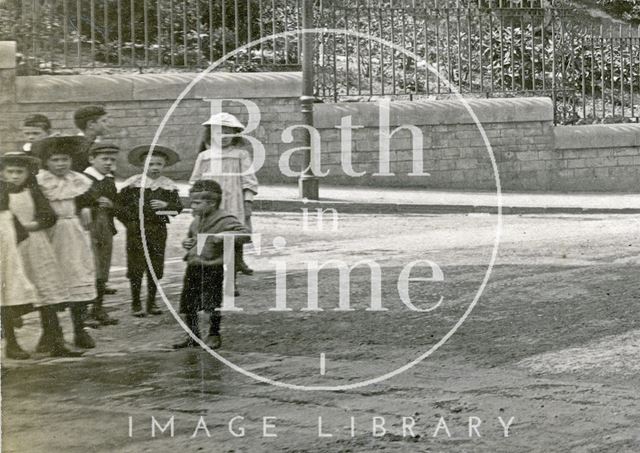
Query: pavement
(385,200)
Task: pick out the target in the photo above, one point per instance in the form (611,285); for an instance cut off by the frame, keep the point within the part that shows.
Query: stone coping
(422,113)
(597,136)
(149,87)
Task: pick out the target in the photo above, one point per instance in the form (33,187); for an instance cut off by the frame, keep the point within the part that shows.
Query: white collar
(61,188)
(162,182)
(96,174)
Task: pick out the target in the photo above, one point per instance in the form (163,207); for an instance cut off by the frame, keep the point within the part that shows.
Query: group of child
(58,201)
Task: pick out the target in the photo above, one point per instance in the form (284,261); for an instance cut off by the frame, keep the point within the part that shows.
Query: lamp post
(308,183)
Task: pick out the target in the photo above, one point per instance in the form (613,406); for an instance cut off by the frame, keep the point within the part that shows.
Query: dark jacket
(128,205)
(44,213)
(102,188)
(214,222)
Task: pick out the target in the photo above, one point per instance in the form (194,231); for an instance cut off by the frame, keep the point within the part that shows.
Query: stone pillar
(7,72)
(7,94)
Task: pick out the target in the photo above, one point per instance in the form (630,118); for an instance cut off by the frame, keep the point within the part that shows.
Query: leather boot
(98,312)
(214,341)
(51,330)
(14,351)
(59,349)
(152,308)
(241,266)
(12,348)
(135,283)
(81,338)
(192,323)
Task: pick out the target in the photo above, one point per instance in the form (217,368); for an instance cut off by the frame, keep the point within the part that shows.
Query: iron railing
(487,48)
(145,33)
(482,48)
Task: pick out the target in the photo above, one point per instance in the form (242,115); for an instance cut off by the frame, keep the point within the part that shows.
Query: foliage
(173,32)
(492,51)
(628,10)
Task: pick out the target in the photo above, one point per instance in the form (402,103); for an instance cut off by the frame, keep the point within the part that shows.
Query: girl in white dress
(17,294)
(69,196)
(33,211)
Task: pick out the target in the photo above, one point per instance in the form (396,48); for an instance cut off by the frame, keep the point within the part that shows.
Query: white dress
(71,243)
(38,258)
(225,166)
(15,287)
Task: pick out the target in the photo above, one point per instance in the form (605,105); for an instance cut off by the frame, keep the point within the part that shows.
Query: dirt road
(549,356)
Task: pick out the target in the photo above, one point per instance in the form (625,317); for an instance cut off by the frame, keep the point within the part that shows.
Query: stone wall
(519,131)
(138,103)
(530,153)
(603,157)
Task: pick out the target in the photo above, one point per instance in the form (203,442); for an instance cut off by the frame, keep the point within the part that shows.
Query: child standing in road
(102,160)
(228,163)
(161,200)
(203,279)
(17,294)
(31,208)
(68,193)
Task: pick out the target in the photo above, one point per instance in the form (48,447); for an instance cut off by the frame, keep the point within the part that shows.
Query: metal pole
(308,182)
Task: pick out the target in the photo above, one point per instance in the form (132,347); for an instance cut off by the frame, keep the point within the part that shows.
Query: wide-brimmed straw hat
(224,119)
(20,159)
(71,145)
(138,154)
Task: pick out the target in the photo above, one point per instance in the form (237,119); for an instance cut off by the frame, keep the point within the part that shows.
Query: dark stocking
(192,323)
(81,337)
(214,319)
(51,330)
(13,349)
(8,328)
(151,292)
(135,283)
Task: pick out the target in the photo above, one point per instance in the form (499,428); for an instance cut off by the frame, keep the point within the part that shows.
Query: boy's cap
(138,155)
(103,148)
(37,120)
(88,113)
(224,119)
(20,159)
(206,189)
(71,145)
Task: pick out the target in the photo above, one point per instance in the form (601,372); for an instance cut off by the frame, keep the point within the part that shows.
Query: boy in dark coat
(203,279)
(93,123)
(161,200)
(102,157)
